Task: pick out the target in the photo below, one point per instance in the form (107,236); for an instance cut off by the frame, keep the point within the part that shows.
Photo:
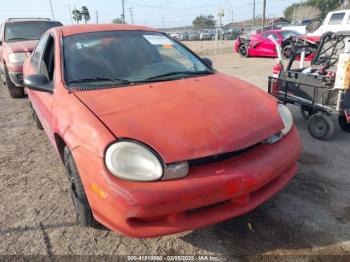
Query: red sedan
(260,44)
(154,140)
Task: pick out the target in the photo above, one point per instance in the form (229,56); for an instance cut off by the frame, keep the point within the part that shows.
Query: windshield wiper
(195,73)
(100,79)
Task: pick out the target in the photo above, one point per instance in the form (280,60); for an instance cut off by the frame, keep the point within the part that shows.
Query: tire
(306,112)
(36,120)
(321,126)
(15,92)
(343,123)
(287,52)
(83,211)
(243,51)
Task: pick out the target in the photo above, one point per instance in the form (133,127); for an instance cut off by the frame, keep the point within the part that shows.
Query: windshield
(28,30)
(127,57)
(288,34)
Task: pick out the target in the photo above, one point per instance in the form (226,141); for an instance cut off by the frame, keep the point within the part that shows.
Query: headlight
(287,118)
(132,161)
(17,57)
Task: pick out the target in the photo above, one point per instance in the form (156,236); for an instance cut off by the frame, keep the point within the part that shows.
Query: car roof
(27,19)
(91,28)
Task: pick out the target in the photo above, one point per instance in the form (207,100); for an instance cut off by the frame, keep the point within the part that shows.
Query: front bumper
(210,194)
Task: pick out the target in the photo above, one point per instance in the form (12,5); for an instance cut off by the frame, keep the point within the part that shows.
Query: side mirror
(38,83)
(207,61)
(313,26)
(0,42)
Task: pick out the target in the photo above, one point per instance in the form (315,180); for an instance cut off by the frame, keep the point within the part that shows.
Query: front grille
(219,157)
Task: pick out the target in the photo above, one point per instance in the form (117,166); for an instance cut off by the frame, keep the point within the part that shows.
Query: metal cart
(313,88)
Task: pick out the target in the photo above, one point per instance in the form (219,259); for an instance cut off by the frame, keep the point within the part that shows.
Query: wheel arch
(60,145)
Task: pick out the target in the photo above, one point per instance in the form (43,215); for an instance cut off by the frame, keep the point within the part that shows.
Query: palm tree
(77,16)
(85,14)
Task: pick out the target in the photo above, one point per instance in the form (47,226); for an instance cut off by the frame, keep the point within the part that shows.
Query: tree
(85,14)
(325,7)
(302,12)
(117,21)
(77,16)
(204,21)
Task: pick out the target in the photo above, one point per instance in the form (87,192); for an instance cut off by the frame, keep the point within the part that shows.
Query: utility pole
(131,15)
(254,13)
(264,14)
(231,14)
(123,5)
(96,13)
(70,14)
(52,13)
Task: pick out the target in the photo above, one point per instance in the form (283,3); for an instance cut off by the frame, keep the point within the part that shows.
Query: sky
(154,13)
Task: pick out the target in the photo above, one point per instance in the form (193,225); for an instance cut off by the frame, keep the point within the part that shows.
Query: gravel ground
(311,216)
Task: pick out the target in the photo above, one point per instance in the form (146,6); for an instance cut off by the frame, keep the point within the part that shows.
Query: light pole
(96,14)
(253,13)
(264,14)
(131,15)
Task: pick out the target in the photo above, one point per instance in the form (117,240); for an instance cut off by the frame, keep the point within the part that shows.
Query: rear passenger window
(337,19)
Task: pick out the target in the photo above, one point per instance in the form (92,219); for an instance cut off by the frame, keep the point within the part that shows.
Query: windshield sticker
(168,46)
(87,44)
(158,40)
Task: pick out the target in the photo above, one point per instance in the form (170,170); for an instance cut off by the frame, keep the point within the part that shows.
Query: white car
(337,21)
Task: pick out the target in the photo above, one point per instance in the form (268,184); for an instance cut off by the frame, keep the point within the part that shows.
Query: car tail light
(277,70)
(274,86)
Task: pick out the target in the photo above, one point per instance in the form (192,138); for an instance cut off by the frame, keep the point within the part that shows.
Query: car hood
(189,118)
(22,46)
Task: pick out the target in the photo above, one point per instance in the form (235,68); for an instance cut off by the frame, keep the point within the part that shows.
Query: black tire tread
(240,52)
(83,210)
(327,120)
(343,124)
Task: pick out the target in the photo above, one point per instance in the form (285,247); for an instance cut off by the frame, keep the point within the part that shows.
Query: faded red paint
(181,120)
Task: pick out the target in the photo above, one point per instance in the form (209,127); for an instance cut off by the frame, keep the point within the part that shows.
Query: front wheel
(321,126)
(344,124)
(244,51)
(83,211)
